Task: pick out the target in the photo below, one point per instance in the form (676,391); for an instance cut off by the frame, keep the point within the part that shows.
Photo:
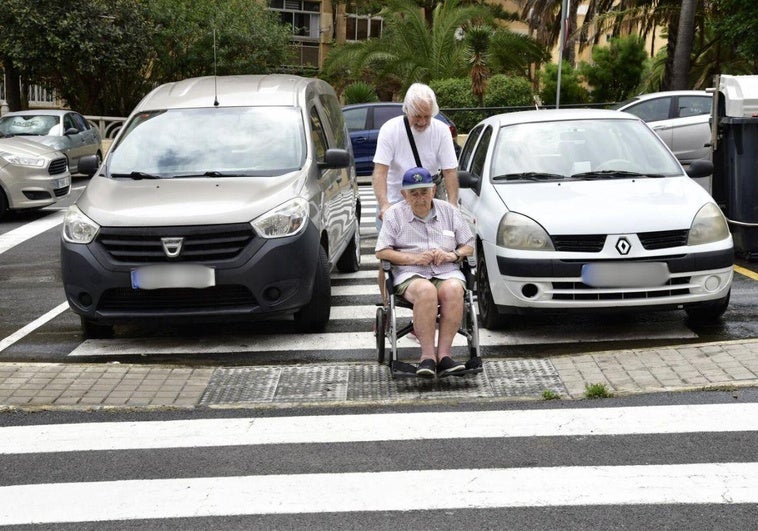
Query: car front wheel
(488,314)
(314,316)
(708,313)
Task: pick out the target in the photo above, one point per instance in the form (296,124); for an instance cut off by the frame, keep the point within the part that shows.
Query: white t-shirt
(393,149)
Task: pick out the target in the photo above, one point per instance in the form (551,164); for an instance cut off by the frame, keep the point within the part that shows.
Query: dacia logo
(623,246)
(172,246)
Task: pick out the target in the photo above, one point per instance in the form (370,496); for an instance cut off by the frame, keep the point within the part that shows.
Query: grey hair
(419,93)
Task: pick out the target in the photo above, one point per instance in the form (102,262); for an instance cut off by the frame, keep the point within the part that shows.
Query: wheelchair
(389,327)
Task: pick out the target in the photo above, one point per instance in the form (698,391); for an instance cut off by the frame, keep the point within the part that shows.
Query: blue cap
(417,178)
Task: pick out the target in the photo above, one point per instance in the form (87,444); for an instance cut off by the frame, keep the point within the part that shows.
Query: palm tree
(413,50)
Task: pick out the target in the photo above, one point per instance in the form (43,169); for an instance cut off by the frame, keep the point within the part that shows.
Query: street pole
(563,36)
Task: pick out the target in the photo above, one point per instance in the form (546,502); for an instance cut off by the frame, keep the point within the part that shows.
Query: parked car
(66,131)
(31,175)
(588,210)
(221,197)
(681,118)
(363,123)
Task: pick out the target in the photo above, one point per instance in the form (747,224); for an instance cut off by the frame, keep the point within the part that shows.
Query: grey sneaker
(448,366)
(426,369)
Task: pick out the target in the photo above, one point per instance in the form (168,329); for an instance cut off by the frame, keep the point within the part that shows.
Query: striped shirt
(443,229)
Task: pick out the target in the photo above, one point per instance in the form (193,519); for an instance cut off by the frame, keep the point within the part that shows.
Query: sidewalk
(115,385)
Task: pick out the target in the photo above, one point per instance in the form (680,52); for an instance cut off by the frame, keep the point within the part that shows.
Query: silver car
(66,131)
(680,117)
(31,175)
(222,197)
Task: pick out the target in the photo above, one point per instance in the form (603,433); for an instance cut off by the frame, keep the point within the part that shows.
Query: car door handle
(360,139)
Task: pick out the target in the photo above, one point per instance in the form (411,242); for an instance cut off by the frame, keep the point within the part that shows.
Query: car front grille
(578,291)
(58,166)
(200,244)
(579,243)
(664,239)
(176,300)
(593,243)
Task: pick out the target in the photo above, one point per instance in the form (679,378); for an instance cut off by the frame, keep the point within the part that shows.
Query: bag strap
(413,143)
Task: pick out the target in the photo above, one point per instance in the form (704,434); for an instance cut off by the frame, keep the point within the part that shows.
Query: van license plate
(625,275)
(173,276)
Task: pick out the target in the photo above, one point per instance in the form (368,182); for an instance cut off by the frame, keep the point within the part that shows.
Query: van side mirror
(335,158)
(88,165)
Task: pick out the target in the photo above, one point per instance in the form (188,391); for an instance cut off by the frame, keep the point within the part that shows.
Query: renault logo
(172,246)
(623,246)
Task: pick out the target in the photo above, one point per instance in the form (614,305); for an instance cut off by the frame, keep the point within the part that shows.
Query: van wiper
(528,176)
(210,173)
(613,174)
(136,175)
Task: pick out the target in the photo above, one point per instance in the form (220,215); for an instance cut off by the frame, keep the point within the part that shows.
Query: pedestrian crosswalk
(153,470)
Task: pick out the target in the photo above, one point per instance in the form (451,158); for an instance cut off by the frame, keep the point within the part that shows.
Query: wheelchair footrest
(473,366)
(400,369)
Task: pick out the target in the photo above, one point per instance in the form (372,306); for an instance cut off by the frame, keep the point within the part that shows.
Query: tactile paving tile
(527,378)
(241,384)
(373,382)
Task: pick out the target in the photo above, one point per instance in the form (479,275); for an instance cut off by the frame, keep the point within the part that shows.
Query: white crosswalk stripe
(121,497)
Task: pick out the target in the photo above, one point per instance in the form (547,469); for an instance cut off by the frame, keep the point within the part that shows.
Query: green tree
(94,53)
(572,90)
(617,69)
(249,38)
(735,22)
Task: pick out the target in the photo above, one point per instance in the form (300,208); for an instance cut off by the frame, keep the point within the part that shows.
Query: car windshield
(36,125)
(580,149)
(217,142)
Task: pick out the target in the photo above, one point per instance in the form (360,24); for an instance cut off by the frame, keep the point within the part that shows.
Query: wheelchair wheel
(381,328)
(472,330)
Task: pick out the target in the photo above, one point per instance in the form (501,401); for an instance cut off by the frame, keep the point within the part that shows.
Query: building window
(303,17)
(363,27)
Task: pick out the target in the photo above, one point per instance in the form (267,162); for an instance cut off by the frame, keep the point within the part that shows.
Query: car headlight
(78,228)
(517,231)
(19,160)
(285,220)
(708,226)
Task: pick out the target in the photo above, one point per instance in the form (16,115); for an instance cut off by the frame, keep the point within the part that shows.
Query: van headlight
(78,228)
(517,231)
(708,226)
(20,160)
(285,220)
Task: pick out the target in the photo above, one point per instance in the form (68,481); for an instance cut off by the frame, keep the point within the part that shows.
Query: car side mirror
(88,165)
(71,131)
(700,168)
(467,180)
(335,158)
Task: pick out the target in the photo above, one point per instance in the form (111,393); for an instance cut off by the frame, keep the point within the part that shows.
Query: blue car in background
(363,123)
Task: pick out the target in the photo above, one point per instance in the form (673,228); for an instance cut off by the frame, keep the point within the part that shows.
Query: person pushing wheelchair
(425,239)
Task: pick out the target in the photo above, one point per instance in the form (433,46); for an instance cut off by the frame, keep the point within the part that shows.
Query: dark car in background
(363,123)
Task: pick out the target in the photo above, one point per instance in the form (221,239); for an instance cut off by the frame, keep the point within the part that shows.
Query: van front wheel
(314,316)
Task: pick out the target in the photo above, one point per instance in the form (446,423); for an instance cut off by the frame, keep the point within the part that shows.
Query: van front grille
(205,243)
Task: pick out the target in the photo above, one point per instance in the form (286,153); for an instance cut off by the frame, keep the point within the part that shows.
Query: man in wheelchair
(425,239)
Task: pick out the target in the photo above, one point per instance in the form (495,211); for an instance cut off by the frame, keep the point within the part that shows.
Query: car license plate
(63,182)
(173,276)
(625,274)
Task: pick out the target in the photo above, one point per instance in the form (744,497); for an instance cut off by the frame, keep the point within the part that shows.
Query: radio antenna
(215,85)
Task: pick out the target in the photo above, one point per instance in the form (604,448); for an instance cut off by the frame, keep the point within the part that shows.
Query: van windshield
(236,141)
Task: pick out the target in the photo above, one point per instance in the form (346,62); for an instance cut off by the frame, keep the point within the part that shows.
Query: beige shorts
(400,288)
